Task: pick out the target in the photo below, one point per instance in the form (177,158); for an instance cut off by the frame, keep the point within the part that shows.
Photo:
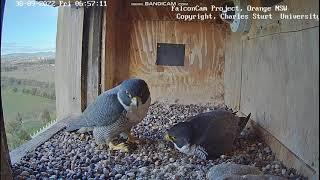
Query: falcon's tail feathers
(75,123)
(243,122)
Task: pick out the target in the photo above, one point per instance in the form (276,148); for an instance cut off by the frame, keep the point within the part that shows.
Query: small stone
(143,170)
(220,170)
(118,176)
(81,137)
(268,167)
(157,163)
(283,172)
(223,156)
(267,150)
(277,166)
(172,160)
(53,177)
(24,173)
(130,174)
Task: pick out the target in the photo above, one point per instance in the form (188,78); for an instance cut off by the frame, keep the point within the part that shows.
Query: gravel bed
(75,156)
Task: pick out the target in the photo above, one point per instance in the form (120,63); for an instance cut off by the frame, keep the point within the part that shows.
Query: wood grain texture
(93,17)
(117,35)
(165,13)
(68,61)
(233,74)
(199,80)
(280,81)
(276,25)
(131,45)
(280,87)
(103,51)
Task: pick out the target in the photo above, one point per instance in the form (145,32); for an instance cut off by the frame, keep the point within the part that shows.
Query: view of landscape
(28,94)
(28,45)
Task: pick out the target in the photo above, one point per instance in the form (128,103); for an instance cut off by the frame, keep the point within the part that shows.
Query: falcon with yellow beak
(207,135)
(115,112)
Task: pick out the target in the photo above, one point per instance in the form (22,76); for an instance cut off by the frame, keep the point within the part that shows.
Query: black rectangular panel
(170,54)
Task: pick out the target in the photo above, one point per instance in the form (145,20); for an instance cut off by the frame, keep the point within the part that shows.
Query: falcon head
(133,93)
(180,135)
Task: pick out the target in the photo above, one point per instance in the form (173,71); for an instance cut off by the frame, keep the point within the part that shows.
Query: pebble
(118,176)
(268,167)
(223,156)
(143,170)
(283,172)
(157,163)
(53,177)
(75,156)
(24,173)
(130,174)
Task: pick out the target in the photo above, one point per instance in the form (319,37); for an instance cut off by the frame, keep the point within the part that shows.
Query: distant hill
(20,56)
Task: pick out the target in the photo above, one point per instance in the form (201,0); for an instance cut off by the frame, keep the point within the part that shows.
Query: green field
(29,107)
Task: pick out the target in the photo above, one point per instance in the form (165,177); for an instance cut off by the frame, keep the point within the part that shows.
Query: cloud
(12,47)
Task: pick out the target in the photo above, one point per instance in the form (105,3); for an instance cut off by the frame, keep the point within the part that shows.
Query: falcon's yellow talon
(122,147)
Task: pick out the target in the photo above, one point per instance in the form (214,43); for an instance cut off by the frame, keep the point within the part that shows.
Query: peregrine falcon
(207,135)
(114,112)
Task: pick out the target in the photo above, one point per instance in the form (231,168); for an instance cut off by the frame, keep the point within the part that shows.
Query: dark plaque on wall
(170,54)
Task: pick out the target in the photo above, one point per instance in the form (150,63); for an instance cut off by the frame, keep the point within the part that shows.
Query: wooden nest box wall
(132,39)
(271,71)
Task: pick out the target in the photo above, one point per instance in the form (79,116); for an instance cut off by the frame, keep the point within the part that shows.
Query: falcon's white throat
(198,151)
(136,113)
(186,149)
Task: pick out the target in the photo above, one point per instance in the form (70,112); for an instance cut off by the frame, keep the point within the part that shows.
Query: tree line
(32,87)
(17,133)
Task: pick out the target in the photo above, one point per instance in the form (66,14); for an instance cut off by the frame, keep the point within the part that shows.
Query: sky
(28,29)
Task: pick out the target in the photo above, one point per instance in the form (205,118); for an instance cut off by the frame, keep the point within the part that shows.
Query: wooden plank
(147,12)
(103,51)
(200,80)
(92,49)
(280,87)
(276,25)
(68,61)
(117,34)
(110,51)
(280,82)
(232,74)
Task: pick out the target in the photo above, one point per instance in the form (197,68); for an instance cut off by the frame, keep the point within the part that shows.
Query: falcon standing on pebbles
(115,112)
(207,135)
